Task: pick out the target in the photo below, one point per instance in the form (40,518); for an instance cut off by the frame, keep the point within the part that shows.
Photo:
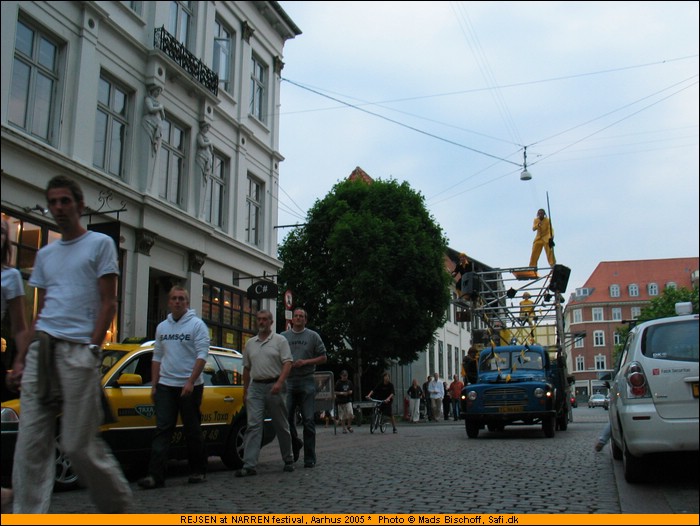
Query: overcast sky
(446,95)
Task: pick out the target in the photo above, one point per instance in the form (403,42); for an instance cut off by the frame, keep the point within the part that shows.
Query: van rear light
(636,380)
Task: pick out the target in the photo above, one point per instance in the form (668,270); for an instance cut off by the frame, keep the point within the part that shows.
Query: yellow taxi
(130,414)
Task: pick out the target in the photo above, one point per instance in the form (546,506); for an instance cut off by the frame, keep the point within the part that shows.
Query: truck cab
(517,385)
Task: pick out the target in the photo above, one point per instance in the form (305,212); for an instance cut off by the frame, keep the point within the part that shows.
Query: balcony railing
(169,45)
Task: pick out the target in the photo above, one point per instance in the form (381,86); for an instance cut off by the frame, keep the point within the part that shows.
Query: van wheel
(472,429)
(633,466)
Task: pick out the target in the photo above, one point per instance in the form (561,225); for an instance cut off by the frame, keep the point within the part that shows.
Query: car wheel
(66,479)
(548,426)
(232,456)
(632,466)
(472,429)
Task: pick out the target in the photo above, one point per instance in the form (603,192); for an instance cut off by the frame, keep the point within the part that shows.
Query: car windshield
(676,341)
(515,360)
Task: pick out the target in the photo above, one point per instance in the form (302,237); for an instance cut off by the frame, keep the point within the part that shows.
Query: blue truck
(517,385)
(517,380)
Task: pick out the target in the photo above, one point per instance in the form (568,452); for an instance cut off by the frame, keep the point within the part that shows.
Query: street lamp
(525,175)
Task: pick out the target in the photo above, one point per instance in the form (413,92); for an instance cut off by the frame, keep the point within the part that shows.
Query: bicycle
(377,420)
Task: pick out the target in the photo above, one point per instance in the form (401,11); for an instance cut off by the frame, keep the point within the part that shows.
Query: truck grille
(504,397)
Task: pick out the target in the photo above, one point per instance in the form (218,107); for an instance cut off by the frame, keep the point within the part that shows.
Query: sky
(599,99)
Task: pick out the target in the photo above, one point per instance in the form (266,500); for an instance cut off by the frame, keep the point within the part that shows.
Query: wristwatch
(94,349)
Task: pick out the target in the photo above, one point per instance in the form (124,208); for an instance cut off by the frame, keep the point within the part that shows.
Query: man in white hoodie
(179,356)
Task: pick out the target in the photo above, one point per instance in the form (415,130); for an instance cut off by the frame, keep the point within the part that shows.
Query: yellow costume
(544,235)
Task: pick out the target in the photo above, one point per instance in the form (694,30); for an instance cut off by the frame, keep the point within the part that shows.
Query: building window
(617,339)
(578,342)
(600,362)
(636,311)
(633,290)
(441,359)
(254,204)
(449,360)
(671,285)
(614,291)
(110,127)
(578,316)
(598,339)
(228,314)
(653,289)
(617,314)
(223,55)
(136,7)
(180,22)
(216,191)
(33,100)
(580,364)
(597,314)
(258,91)
(172,163)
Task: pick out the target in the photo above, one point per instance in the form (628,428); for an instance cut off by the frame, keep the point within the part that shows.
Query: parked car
(654,392)
(597,400)
(126,383)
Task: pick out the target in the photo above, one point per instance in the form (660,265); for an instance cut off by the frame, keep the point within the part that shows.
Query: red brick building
(616,291)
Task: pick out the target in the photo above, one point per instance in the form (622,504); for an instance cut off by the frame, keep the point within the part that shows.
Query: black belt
(267,380)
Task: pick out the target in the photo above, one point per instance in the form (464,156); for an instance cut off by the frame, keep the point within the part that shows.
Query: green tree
(662,306)
(368,266)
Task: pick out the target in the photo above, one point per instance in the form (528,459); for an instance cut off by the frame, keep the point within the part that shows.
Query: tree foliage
(368,266)
(662,306)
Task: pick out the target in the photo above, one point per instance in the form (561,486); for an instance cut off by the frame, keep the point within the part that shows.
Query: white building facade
(167,114)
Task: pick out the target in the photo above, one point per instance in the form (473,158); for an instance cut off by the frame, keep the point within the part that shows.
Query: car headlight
(471,395)
(9,416)
(539,392)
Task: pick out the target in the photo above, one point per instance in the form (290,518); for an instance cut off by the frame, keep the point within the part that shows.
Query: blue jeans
(455,408)
(301,392)
(168,404)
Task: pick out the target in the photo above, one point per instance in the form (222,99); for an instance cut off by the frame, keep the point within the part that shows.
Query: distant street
(430,468)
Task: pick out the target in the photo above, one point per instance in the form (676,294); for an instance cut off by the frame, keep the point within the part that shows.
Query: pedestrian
(76,281)
(415,395)
(436,391)
(446,401)
(426,400)
(527,310)
(308,351)
(544,238)
(471,366)
(267,361)
(12,303)
(179,356)
(466,284)
(455,390)
(384,391)
(343,400)
(604,437)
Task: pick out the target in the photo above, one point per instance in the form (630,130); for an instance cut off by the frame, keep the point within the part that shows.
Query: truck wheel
(563,421)
(548,426)
(472,429)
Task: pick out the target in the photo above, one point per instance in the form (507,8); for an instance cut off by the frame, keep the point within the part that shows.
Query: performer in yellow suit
(544,238)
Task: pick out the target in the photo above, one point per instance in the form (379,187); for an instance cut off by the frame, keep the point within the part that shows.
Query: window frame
(36,68)
(254,211)
(258,89)
(112,115)
(168,153)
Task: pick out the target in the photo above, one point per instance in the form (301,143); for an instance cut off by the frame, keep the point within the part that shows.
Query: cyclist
(385,391)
